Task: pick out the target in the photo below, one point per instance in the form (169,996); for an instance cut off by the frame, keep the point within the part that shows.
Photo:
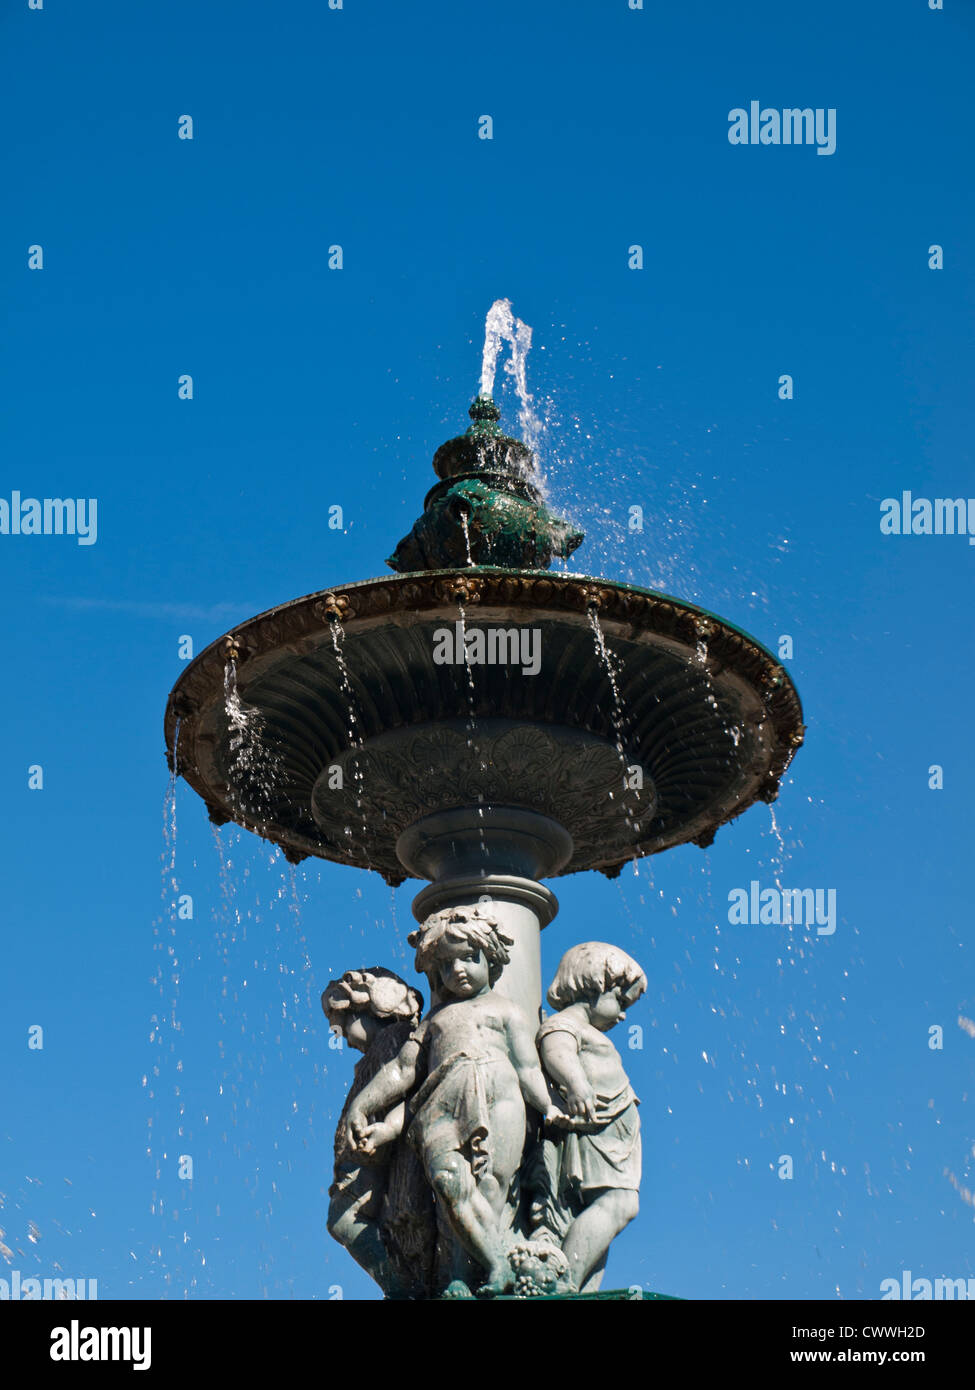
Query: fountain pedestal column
(493,856)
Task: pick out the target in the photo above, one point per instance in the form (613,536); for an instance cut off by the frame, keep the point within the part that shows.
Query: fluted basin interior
(353,723)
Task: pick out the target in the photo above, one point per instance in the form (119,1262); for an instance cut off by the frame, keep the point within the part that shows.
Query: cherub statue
(473,1058)
(380,1208)
(592,1161)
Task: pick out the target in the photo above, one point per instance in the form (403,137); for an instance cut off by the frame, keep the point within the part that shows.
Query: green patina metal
(487,509)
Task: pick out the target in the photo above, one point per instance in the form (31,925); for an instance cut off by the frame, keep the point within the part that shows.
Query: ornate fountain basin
(705,723)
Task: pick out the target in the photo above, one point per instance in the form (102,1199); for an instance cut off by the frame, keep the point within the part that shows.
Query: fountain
(481,724)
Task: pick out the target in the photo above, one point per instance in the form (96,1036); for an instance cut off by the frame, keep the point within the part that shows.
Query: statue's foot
(498,1281)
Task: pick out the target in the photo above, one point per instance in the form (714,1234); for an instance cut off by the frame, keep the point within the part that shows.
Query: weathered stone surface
(380,1205)
(472,1157)
(587,1175)
(465,1076)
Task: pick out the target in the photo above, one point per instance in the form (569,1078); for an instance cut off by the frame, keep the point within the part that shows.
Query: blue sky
(315,387)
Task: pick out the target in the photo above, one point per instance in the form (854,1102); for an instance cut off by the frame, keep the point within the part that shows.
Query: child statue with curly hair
(591,1160)
(379,1205)
(474,1064)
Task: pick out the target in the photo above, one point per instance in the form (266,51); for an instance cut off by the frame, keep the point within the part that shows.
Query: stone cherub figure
(474,1064)
(380,1208)
(591,1162)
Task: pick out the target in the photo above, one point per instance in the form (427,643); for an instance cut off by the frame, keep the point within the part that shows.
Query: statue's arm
(560,1057)
(524,1059)
(384,1131)
(390,1084)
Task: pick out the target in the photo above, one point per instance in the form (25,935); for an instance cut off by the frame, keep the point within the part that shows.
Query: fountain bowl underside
(352,753)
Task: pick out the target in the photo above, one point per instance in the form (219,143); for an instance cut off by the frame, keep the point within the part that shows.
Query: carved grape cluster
(539,1270)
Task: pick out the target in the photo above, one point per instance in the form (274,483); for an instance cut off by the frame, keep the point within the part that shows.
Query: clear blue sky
(315,387)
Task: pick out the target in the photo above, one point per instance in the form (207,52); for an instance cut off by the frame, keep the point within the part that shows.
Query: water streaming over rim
(472,721)
(354,729)
(616,716)
(162,1081)
(780,858)
(282,954)
(467,536)
(254,767)
(247,966)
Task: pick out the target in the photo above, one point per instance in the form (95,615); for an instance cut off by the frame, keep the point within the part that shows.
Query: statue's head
(455,946)
(600,975)
(363,1002)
